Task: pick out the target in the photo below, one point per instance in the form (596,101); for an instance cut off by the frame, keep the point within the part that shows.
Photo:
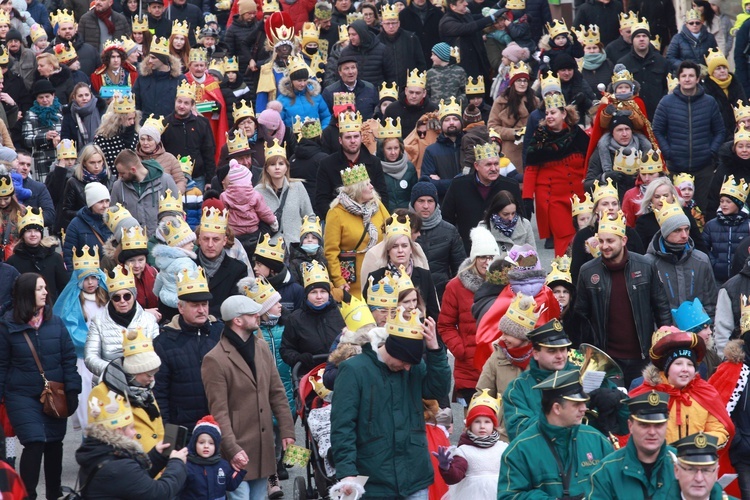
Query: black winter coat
(69,128)
(404,51)
(305,162)
(742,71)
(409,115)
(578,90)
(661,18)
(236,34)
(308,332)
(74,199)
(372,59)
(617,49)
(223,284)
(192,136)
(726,102)
(651,73)
(604,15)
(445,252)
(685,47)
(602,74)
(728,164)
(647,226)
(155,91)
(43,260)
(426,31)
(539,15)
(464,31)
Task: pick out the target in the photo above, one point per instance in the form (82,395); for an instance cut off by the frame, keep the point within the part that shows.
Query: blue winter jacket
(686,47)
(442,158)
(722,242)
(689,130)
(272,335)
(21,384)
(83,230)
(302,107)
(209,481)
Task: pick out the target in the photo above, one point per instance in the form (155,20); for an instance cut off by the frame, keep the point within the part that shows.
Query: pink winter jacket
(246,209)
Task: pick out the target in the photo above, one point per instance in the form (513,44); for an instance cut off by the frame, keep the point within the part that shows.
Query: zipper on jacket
(690,132)
(692,282)
(640,342)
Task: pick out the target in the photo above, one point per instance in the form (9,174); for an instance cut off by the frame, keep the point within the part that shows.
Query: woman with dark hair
(370,16)
(561,283)
(10,214)
(142,37)
(300,96)
(507,226)
(115,70)
(400,173)
(30,331)
(244,119)
(82,116)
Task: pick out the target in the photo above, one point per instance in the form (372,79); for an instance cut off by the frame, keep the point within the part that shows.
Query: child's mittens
(22,194)
(444,457)
(275,225)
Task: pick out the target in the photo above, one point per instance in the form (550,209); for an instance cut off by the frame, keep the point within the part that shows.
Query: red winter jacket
(299,12)
(144,288)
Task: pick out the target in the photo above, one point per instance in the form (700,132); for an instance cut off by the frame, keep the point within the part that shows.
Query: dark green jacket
(717,493)
(377,424)
(529,469)
(621,476)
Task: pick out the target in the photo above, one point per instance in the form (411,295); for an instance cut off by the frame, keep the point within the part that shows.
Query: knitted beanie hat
(481,411)
(206,425)
(442,50)
(515,52)
(423,188)
(244,6)
(239,175)
(95,192)
(472,114)
(563,61)
(482,243)
(151,132)
(673,223)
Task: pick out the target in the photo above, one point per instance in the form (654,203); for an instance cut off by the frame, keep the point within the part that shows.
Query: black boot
(281,470)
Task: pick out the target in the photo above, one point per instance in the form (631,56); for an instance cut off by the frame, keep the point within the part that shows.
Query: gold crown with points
(386,91)
(668,210)
(672,83)
(525,318)
(451,108)
(693,15)
(115,215)
(456,54)
(316,381)
(237,142)
(612,225)
(191,282)
(311,128)
(656,42)
(515,4)
(186,164)
(742,134)
(4,17)
(231,64)
(383,293)
(396,228)
(134,238)
(111,44)
(683,177)
(6,186)
(210,18)
(310,224)
(62,16)
(355,174)
(557,28)
(169,203)
(159,46)
(88,258)
(651,162)
(271,251)
(65,52)
(354,16)
(627,164)
(276,149)
(123,105)
(244,110)
(389,13)
(628,19)
(214,220)
(484,399)
(475,87)
(486,151)
(4,55)
(519,69)
(140,24)
(310,33)
(33,216)
(350,122)
(66,148)
(37,32)
(602,190)
(198,54)
(313,272)
(176,231)
(157,123)
(554,100)
(588,36)
(120,278)
(216,65)
(186,90)
(416,79)
(738,190)
(109,409)
(297,63)
(261,291)
(715,54)
(403,282)
(127,44)
(343,98)
(343,32)
(621,76)
(641,25)
(389,129)
(559,272)
(550,81)
(585,206)
(270,6)
(135,341)
(741,111)
(356,314)
(180,28)
(399,326)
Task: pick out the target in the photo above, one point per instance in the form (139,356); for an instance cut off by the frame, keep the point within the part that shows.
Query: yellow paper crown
(88,258)
(343,32)
(176,232)
(656,42)
(310,224)
(4,17)
(120,278)
(350,122)
(741,111)
(389,13)
(186,164)
(744,313)
(416,79)
(140,24)
(558,27)
(180,28)
(37,32)
(515,4)
(157,123)
(526,318)
(602,190)
(115,215)
(486,151)
(160,46)
(198,54)
(628,19)
(210,18)
(4,55)
(668,210)
(356,314)
(451,108)
(231,64)
(237,142)
(297,63)
(550,82)
(261,292)
(111,44)
(627,163)
(403,282)
(716,55)
(558,273)
(386,92)
(585,206)
(321,390)
(169,203)
(693,15)
(355,174)
(62,16)
(135,341)
(134,238)
(191,282)
(6,186)
(383,293)
(475,87)
(217,65)
(399,326)
(554,101)
(214,220)
(683,177)
(484,399)
(389,130)
(641,25)
(276,149)
(519,69)
(123,105)
(672,83)
(270,6)
(651,162)
(109,409)
(396,228)
(588,36)
(244,110)
(738,190)
(271,251)
(313,272)
(66,148)
(310,34)
(33,216)
(612,225)
(343,98)
(354,16)
(742,134)
(186,90)
(456,54)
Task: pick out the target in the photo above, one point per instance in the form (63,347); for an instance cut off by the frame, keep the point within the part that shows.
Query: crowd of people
(220,221)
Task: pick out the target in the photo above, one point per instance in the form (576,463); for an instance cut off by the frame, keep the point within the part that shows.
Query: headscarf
(68,306)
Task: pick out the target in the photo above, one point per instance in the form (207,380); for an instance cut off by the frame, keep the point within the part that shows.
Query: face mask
(311,51)
(273,317)
(310,247)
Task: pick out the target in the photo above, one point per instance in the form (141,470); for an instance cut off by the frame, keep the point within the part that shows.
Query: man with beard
(442,160)
(155,89)
(611,289)
(67,32)
(414,104)
(101,23)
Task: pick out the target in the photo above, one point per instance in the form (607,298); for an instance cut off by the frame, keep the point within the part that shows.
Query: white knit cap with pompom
(482,243)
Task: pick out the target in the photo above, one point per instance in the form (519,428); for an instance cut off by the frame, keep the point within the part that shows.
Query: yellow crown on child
(123,105)
(560,270)
(37,32)
(515,4)
(316,381)
(557,28)
(115,215)
(683,177)
(355,174)
(651,162)
(310,224)
(742,134)
(186,90)
(526,318)
(475,87)
(520,68)
(389,129)
(602,190)
(456,54)
(237,142)
(134,238)
(627,163)
(313,272)
(554,100)
(588,36)
(167,202)
(32,217)
(140,24)
(484,399)
(176,231)
(389,13)
(66,148)
(450,108)
(276,149)
(350,122)
(585,206)
(244,110)
(628,19)
(399,326)
(180,28)
(120,278)
(186,164)
(486,151)
(216,65)
(383,293)
(344,98)
(741,111)
(693,15)
(214,220)
(612,225)
(416,79)
(261,292)
(157,123)
(192,282)
(343,32)
(87,260)
(231,64)
(550,81)
(160,46)
(62,16)
(641,25)
(6,186)
(396,228)
(272,251)
(738,190)
(135,341)
(388,92)
(356,314)
(109,409)
(668,210)
(403,282)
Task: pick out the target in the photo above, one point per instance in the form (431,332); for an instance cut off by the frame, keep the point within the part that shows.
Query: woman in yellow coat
(354,224)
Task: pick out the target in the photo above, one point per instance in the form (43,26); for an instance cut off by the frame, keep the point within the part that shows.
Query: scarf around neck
(723,85)
(105,16)
(433,220)
(211,266)
(518,356)
(365,211)
(505,227)
(730,220)
(483,441)
(609,146)
(122,319)
(87,117)
(396,169)
(246,348)
(46,115)
(594,61)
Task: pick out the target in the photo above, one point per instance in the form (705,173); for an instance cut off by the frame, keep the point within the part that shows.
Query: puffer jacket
(235,37)
(155,92)
(685,47)
(44,260)
(722,242)
(273,335)
(726,102)
(104,342)
(443,158)
(298,103)
(89,28)
(308,332)
(688,148)
(374,67)
(457,326)
(444,249)
(684,278)
(170,261)
(86,228)
(179,387)
(644,290)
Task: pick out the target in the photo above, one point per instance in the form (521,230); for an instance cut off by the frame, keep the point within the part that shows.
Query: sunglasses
(125,297)
(694,23)
(422,133)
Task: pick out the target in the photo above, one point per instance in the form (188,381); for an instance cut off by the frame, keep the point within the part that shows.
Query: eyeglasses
(694,23)
(125,297)
(695,470)
(485,257)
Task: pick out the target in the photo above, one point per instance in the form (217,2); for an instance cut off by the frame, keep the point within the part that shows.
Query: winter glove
(444,457)
(528,207)
(72,399)
(306,359)
(610,110)
(617,177)
(606,402)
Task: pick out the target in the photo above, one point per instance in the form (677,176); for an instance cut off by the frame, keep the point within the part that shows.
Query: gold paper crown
(270,6)
(354,16)
(651,162)
(355,174)
(6,186)
(550,81)
(683,177)
(115,215)
(744,313)
(310,224)
(343,98)
(559,273)
(109,409)
(186,90)
(621,76)
(737,190)
(167,202)
(389,13)
(356,314)
(399,326)
(602,190)
(515,4)
(386,91)
(350,122)
(210,18)
(123,105)
(656,42)
(389,130)
(557,28)
(416,79)
(214,220)
(62,16)
(4,55)
(585,206)
(237,143)
(311,128)
(4,17)
(588,36)
(668,210)
(396,228)
(456,54)
(627,163)
(451,108)
(134,238)
(120,278)
(127,44)
(66,148)
(297,63)
(186,164)
(473,88)
(261,292)
(316,382)
(403,282)
(231,64)
(217,65)
(33,216)
(741,111)
(641,25)
(383,293)
(310,34)
(157,123)
(244,110)
(65,52)
(526,318)
(484,399)
(37,32)
(88,259)
(672,83)
(519,69)
(190,283)
(176,231)
(180,28)
(554,100)
(742,134)
(343,32)
(159,46)
(271,251)
(198,54)
(616,225)
(140,24)
(276,149)
(714,54)
(313,272)
(135,341)
(628,19)
(693,15)
(486,151)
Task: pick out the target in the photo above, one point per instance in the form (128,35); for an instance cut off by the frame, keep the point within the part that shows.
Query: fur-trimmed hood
(286,88)
(522,274)
(468,278)
(163,254)
(652,375)
(734,352)
(101,443)
(175,67)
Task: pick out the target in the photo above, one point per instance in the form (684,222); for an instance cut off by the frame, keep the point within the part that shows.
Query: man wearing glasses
(697,469)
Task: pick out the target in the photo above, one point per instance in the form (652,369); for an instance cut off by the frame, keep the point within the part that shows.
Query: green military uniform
(444,82)
(717,493)
(699,450)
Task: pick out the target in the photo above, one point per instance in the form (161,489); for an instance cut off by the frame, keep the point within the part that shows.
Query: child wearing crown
(172,256)
(558,40)
(685,184)
(723,234)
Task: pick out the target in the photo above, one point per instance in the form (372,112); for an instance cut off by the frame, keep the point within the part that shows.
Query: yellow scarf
(723,85)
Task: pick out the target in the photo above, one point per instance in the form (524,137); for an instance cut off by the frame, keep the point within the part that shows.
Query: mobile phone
(176,436)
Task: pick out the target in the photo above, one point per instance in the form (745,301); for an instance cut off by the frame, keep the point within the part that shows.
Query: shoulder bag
(53,396)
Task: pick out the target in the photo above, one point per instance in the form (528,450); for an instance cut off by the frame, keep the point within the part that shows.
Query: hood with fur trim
(734,352)
(468,278)
(101,443)
(175,67)
(653,375)
(287,89)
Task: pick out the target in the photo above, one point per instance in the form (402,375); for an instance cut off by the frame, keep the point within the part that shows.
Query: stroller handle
(317,359)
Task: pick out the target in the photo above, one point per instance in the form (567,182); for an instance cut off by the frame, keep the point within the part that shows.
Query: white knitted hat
(482,243)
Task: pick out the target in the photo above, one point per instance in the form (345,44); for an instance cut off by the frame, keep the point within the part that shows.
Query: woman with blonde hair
(91,167)
(118,131)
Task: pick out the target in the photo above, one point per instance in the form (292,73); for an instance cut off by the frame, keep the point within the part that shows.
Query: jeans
(201,182)
(251,490)
(743,477)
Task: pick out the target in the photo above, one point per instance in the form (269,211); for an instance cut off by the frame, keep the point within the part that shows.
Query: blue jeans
(251,490)
(201,182)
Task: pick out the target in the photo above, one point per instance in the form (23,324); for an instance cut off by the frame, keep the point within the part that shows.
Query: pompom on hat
(520,317)
(206,425)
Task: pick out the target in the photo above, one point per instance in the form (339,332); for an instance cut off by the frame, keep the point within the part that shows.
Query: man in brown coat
(244,393)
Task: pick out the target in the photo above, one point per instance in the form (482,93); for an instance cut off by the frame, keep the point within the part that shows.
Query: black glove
(306,359)
(72,399)
(528,207)
(617,177)
(606,402)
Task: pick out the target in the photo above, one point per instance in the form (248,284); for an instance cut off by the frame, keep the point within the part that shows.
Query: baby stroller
(307,400)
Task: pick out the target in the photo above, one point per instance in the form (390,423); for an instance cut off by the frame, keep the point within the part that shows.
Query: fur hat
(482,243)
(524,307)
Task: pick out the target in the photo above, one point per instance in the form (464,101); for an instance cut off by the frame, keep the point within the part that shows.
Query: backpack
(79,494)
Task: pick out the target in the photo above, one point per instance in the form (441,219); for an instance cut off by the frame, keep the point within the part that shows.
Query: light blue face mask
(310,247)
